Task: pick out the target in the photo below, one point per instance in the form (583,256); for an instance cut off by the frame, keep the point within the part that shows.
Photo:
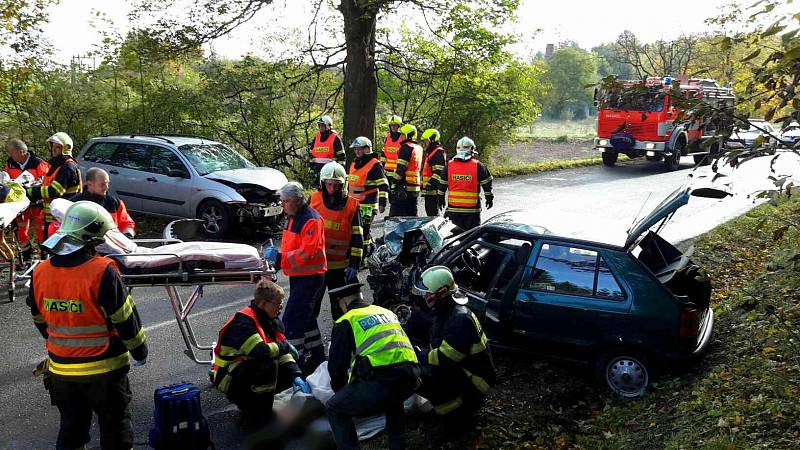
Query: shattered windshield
(207,158)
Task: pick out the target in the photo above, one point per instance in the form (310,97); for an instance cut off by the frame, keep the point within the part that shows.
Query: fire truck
(646,123)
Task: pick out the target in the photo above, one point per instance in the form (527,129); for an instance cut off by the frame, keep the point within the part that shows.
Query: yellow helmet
(395,120)
(431,135)
(410,131)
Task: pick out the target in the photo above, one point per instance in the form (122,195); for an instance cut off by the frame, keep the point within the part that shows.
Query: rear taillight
(689,327)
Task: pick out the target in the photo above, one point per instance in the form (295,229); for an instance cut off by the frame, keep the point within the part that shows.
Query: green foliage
(569,71)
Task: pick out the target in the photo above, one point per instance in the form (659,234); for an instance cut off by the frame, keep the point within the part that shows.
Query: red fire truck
(647,124)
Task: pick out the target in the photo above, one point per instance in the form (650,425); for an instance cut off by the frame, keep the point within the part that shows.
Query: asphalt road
(602,200)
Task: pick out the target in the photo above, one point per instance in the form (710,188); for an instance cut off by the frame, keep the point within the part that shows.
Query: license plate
(270,211)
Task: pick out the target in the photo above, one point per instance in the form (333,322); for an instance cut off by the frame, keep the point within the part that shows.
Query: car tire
(624,372)
(610,158)
(216,217)
(673,163)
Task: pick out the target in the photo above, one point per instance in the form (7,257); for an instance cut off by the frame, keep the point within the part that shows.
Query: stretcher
(174,263)
(13,203)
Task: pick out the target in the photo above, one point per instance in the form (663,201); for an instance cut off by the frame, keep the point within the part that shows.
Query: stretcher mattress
(190,256)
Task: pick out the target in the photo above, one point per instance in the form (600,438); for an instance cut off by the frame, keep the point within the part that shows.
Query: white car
(790,135)
(188,177)
(747,137)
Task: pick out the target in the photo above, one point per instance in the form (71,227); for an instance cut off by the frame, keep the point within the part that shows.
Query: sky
(587,22)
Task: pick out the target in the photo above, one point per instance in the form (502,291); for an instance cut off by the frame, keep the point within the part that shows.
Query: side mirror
(177,173)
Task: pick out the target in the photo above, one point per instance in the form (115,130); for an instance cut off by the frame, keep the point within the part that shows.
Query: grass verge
(510,170)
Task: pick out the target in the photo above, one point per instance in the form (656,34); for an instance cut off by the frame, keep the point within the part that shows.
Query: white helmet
(465,148)
(64,140)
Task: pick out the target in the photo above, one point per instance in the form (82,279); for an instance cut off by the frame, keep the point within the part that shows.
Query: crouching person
(458,371)
(369,342)
(253,359)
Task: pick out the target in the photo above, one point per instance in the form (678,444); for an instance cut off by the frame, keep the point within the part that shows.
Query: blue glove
(293,351)
(302,385)
(140,363)
(351,275)
(271,254)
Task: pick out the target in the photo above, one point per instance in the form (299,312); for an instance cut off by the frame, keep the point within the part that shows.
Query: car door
(167,186)
(569,296)
(114,159)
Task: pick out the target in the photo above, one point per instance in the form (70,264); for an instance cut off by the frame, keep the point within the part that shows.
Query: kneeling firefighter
(458,371)
(373,368)
(344,243)
(253,359)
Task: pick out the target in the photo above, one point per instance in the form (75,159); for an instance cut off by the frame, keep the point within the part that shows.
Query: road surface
(601,199)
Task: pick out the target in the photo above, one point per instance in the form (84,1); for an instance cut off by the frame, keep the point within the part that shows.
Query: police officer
(253,359)
(344,244)
(391,145)
(63,180)
(20,159)
(464,177)
(82,308)
(405,184)
(368,343)
(434,159)
(302,259)
(97,191)
(366,181)
(326,147)
(458,371)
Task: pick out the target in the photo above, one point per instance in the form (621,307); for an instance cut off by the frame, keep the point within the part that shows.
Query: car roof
(176,140)
(564,226)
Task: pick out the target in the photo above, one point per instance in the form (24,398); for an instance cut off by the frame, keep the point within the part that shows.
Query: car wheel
(623,372)
(610,158)
(672,163)
(216,218)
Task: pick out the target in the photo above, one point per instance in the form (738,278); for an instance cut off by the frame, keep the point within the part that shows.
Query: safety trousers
(30,220)
(406,207)
(300,319)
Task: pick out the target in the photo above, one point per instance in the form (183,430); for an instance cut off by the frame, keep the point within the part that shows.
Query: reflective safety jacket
(459,346)
(366,181)
(409,164)
(344,243)
(378,337)
(463,181)
(86,315)
(62,180)
(244,337)
(34,165)
(303,244)
(432,167)
(391,145)
(114,205)
(326,147)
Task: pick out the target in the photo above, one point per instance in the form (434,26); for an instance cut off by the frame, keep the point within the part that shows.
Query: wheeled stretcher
(174,263)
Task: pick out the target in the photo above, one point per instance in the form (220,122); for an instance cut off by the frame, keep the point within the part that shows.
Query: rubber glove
(489,202)
(302,385)
(140,363)
(351,275)
(271,254)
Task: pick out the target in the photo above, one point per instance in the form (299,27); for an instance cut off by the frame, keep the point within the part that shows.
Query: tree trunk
(360,84)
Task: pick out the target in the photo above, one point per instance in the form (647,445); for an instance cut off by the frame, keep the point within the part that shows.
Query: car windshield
(642,101)
(207,158)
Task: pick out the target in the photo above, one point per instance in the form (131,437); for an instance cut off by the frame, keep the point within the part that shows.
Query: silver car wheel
(212,220)
(627,376)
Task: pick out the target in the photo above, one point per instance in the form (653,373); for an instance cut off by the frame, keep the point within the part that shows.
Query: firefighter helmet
(362,141)
(325,120)
(332,171)
(439,281)
(395,120)
(464,148)
(64,140)
(85,223)
(431,134)
(410,131)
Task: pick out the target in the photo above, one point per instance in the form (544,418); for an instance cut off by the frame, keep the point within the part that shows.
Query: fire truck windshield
(643,101)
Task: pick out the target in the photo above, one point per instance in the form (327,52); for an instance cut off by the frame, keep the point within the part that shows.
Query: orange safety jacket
(390,149)
(322,152)
(338,229)
(463,186)
(427,170)
(38,172)
(77,327)
(357,180)
(414,166)
(303,244)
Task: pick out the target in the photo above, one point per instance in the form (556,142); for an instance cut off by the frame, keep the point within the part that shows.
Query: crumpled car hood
(262,176)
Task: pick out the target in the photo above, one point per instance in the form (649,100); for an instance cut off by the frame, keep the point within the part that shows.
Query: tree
(20,21)
(659,58)
(569,71)
(608,62)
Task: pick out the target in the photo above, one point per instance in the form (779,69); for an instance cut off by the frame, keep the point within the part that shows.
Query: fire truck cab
(647,124)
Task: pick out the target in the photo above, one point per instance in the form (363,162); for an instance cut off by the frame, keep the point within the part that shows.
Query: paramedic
(19,160)
(369,343)
(97,183)
(252,358)
(90,325)
(366,181)
(302,259)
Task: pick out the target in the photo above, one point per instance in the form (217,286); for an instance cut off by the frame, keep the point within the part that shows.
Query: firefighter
(391,145)
(405,183)
(90,323)
(63,179)
(434,158)
(19,160)
(458,371)
(302,259)
(326,147)
(366,181)
(97,184)
(463,177)
(252,358)
(344,243)
(373,369)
